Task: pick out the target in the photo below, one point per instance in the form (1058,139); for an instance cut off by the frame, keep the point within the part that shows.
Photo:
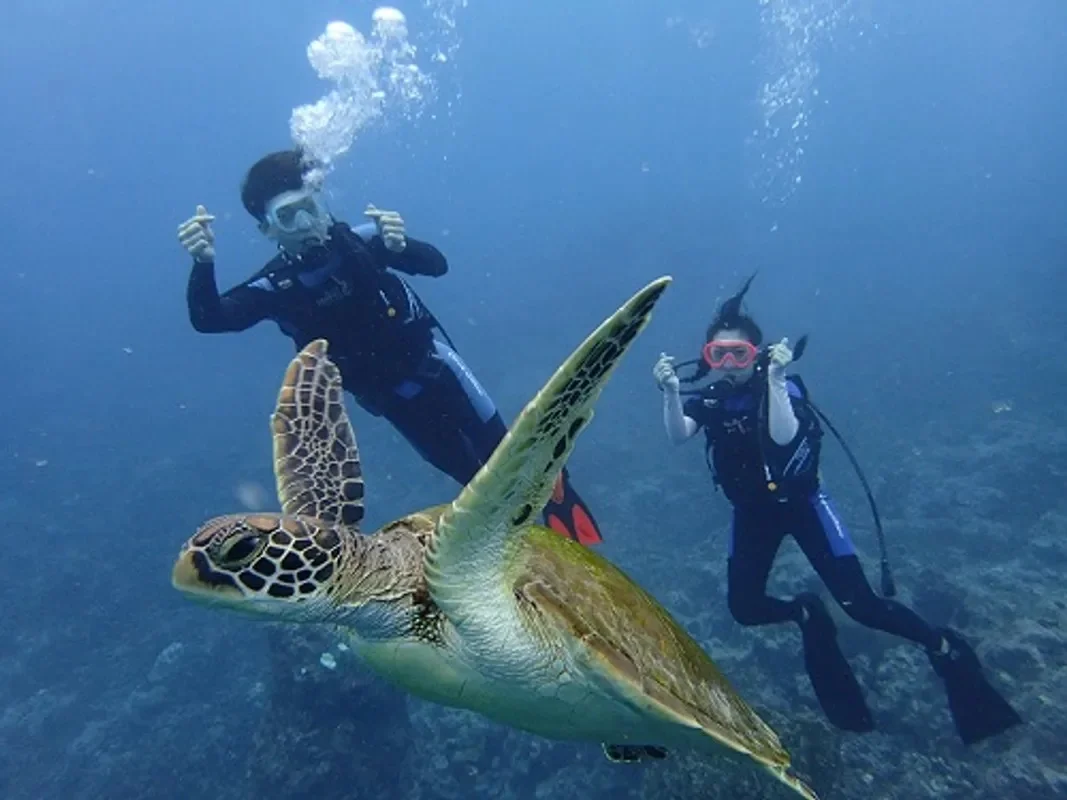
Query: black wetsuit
(798,507)
(381,338)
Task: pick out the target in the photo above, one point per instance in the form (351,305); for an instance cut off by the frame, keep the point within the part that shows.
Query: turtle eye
(240,550)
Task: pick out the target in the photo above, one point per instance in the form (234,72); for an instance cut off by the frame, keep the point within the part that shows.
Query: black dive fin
(978,709)
(835,685)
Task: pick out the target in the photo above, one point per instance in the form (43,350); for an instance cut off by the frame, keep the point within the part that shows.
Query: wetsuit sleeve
(417,258)
(238,309)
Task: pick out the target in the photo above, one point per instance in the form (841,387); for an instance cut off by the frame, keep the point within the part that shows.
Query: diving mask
(296,212)
(729,354)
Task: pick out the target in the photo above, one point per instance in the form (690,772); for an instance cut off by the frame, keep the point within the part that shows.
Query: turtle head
(264,564)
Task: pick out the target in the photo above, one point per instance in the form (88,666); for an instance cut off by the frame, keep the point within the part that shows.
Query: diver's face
(296,221)
(733,356)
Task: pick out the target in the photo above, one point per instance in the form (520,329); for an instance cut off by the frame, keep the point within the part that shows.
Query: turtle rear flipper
(694,700)
(633,753)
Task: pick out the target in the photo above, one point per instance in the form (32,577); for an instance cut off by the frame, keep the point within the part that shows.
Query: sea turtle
(473,604)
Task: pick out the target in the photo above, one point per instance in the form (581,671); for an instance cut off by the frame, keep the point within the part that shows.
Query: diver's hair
(283,171)
(741,322)
(731,317)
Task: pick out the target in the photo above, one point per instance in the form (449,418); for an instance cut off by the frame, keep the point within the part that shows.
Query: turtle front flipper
(316,461)
(512,488)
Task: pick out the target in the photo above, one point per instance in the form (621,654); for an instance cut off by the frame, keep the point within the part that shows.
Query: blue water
(911,222)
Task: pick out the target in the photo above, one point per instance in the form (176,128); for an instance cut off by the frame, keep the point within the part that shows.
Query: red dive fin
(567,514)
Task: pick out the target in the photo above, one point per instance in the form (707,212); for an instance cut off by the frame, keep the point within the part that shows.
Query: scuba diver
(763,439)
(339,283)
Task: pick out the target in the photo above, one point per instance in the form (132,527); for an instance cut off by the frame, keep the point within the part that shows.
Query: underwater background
(893,170)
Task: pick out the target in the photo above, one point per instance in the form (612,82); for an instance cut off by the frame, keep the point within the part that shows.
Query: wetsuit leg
(822,537)
(755,538)
(447,417)
(437,425)
(755,541)
(484,436)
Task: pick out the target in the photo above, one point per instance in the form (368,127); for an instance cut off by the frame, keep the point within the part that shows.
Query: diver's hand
(664,373)
(390,227)
(196,236)
(781,357)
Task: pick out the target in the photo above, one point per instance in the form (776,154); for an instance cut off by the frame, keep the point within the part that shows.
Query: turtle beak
(184,576)
(192,575)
